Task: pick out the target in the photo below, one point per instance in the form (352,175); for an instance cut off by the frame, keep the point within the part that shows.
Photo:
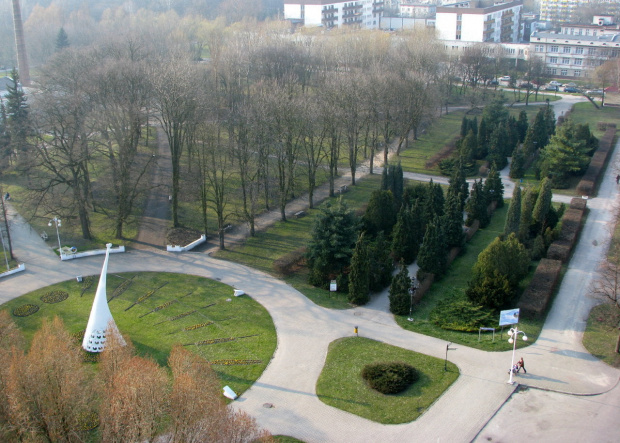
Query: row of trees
(265,113)
(48,393)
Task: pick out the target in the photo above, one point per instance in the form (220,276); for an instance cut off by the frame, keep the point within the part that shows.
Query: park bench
(300,214)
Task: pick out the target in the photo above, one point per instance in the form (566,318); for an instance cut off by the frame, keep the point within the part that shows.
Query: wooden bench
(300,214)
(343,189)
(44,236)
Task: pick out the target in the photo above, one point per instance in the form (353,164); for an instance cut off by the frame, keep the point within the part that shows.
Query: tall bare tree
(607,285)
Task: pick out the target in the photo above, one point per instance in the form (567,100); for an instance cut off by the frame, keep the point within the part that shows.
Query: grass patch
(585,112)
(455,283)
(154,331)
(286,439)
(601,333)
(341,385)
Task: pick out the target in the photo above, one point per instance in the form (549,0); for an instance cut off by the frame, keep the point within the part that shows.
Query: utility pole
(6,222)
(20,44)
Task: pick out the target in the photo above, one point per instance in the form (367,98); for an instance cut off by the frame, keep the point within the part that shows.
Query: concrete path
(474,407)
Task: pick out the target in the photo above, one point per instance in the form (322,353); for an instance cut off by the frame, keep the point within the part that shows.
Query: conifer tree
(359,276)
(458,185)
(62,40)
(517,166)
(405,238)
(18,117)
(527,204)
(543,204)
(494,188)
(452,222)
(400,300)
(476,206)
(522,125)
(514,213)
(432,256)
(381,263)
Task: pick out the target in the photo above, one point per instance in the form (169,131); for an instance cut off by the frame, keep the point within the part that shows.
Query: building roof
(605,38)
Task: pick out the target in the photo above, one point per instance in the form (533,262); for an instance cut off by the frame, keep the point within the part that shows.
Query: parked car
(493,82)
(554,83)
(594,92)
(571,89)
(505,78)
(526,85)
(551,87)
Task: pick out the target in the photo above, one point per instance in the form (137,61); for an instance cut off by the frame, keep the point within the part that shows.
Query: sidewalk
(556,361)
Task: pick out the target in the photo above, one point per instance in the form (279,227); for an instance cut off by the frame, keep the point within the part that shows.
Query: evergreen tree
(484,134)
(380,214)
(466,149)
(543,204)
(359,276)
(540,129)
(476,206)
(62,40)
(381,263)
(494,188)
(18,117)
(582,132)
(435,200)
(493,292)
(398,185)
(529,147)
(452,222)
(522,125)
(432,255)
(473,125)
(405,239)
(385,184)
(517,166)
(496,150)
(400,299)
(333,237)
(5,140)
(527,204)
(564,155)
(464,126)
(549,121)
(459,186)
(514,213)
(508,257)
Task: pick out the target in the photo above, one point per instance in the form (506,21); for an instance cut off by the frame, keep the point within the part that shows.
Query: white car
(505,78)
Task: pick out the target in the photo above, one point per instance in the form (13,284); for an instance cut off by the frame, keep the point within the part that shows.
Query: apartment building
(576,50)
(480,22)
(360,13)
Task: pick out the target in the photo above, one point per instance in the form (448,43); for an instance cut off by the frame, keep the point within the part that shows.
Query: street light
(57,222)
(414,287)
(514,335)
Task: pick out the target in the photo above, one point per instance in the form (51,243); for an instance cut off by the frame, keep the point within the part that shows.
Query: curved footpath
(479,405)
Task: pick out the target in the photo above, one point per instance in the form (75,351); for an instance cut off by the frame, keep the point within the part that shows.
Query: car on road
(526,85)
(555,83)
(505,78)
(594,92)
(571,89)
(551,87)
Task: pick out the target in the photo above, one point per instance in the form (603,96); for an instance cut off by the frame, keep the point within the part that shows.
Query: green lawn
(454,283)
(601,333)
(586,113)
(182,309)
(340,384)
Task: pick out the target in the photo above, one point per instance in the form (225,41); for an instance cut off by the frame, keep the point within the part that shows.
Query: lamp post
(514,335)
(57,222)
(414,287)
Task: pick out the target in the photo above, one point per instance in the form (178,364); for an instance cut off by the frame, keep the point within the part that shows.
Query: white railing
(68,254)
(192,245)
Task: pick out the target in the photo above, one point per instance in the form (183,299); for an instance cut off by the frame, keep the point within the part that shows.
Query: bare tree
(607,285)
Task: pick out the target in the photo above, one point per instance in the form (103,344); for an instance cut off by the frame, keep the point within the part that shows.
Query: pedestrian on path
(521,365)
(617,178)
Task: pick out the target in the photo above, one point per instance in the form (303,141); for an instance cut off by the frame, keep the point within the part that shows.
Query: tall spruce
(381,263)
(452,222)
(476,206)
(18,117)
(527,204)
(405,237)
(522,125)
(514,213)
(543,204)
(62,40)
(432,256)
(359,276)
(400,300)
(494,188)
(458,185)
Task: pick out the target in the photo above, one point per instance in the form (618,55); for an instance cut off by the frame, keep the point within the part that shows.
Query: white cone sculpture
(100,318)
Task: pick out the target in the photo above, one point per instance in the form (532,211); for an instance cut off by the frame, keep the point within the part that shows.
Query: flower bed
(160,307)
(25,310)
(214,341)
(87,283)
(198,326)
(54,297)
(176,317)
(120,288)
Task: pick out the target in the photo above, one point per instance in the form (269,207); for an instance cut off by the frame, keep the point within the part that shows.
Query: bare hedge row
(536,297)
(587,185)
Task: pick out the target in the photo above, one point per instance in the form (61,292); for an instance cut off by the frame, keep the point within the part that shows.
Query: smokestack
(20,43)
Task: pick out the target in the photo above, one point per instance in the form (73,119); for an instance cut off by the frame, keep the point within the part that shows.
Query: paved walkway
(474,407)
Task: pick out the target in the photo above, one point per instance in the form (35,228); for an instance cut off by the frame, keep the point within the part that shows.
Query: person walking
(521,365)
(617,178)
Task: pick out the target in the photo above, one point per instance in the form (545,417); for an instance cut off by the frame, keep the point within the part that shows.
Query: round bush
(390,377)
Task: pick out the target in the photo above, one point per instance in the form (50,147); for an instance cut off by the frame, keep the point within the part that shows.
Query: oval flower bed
(54,297)
(25,310)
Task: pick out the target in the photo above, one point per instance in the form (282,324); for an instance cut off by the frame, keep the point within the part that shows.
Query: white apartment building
(330,14)
(496,23)
(563,11)
(417,10)
(577,49)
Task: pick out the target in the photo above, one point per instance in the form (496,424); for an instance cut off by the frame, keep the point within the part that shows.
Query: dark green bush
(460,315)
(390,377)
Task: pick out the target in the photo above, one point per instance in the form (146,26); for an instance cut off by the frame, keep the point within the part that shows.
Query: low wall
(587,185)
(70,256)
(21,267)
(189,247)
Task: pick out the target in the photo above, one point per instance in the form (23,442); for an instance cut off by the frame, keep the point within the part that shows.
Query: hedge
(286,264)
(578,203)
(536,297)
(587,185)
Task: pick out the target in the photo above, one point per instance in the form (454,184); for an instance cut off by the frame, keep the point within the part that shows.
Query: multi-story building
(563,11)
(417,10)
(496,23)
(360,13)
(577,49)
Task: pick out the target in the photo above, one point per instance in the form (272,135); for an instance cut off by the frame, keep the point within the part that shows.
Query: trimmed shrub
(536,297)
(460,315)
(390,377)
(578,203)
(587,185)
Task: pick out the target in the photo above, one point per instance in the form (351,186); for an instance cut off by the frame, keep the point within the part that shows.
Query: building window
(578,50)
(458,36)
(540,48)
(459,17)
(564,72)
(553,60)
(591,51)
(566,49)
(554,71)
(578,61)
(577,73)
(458,27)
(565,60)
(554,49)
(548,71)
